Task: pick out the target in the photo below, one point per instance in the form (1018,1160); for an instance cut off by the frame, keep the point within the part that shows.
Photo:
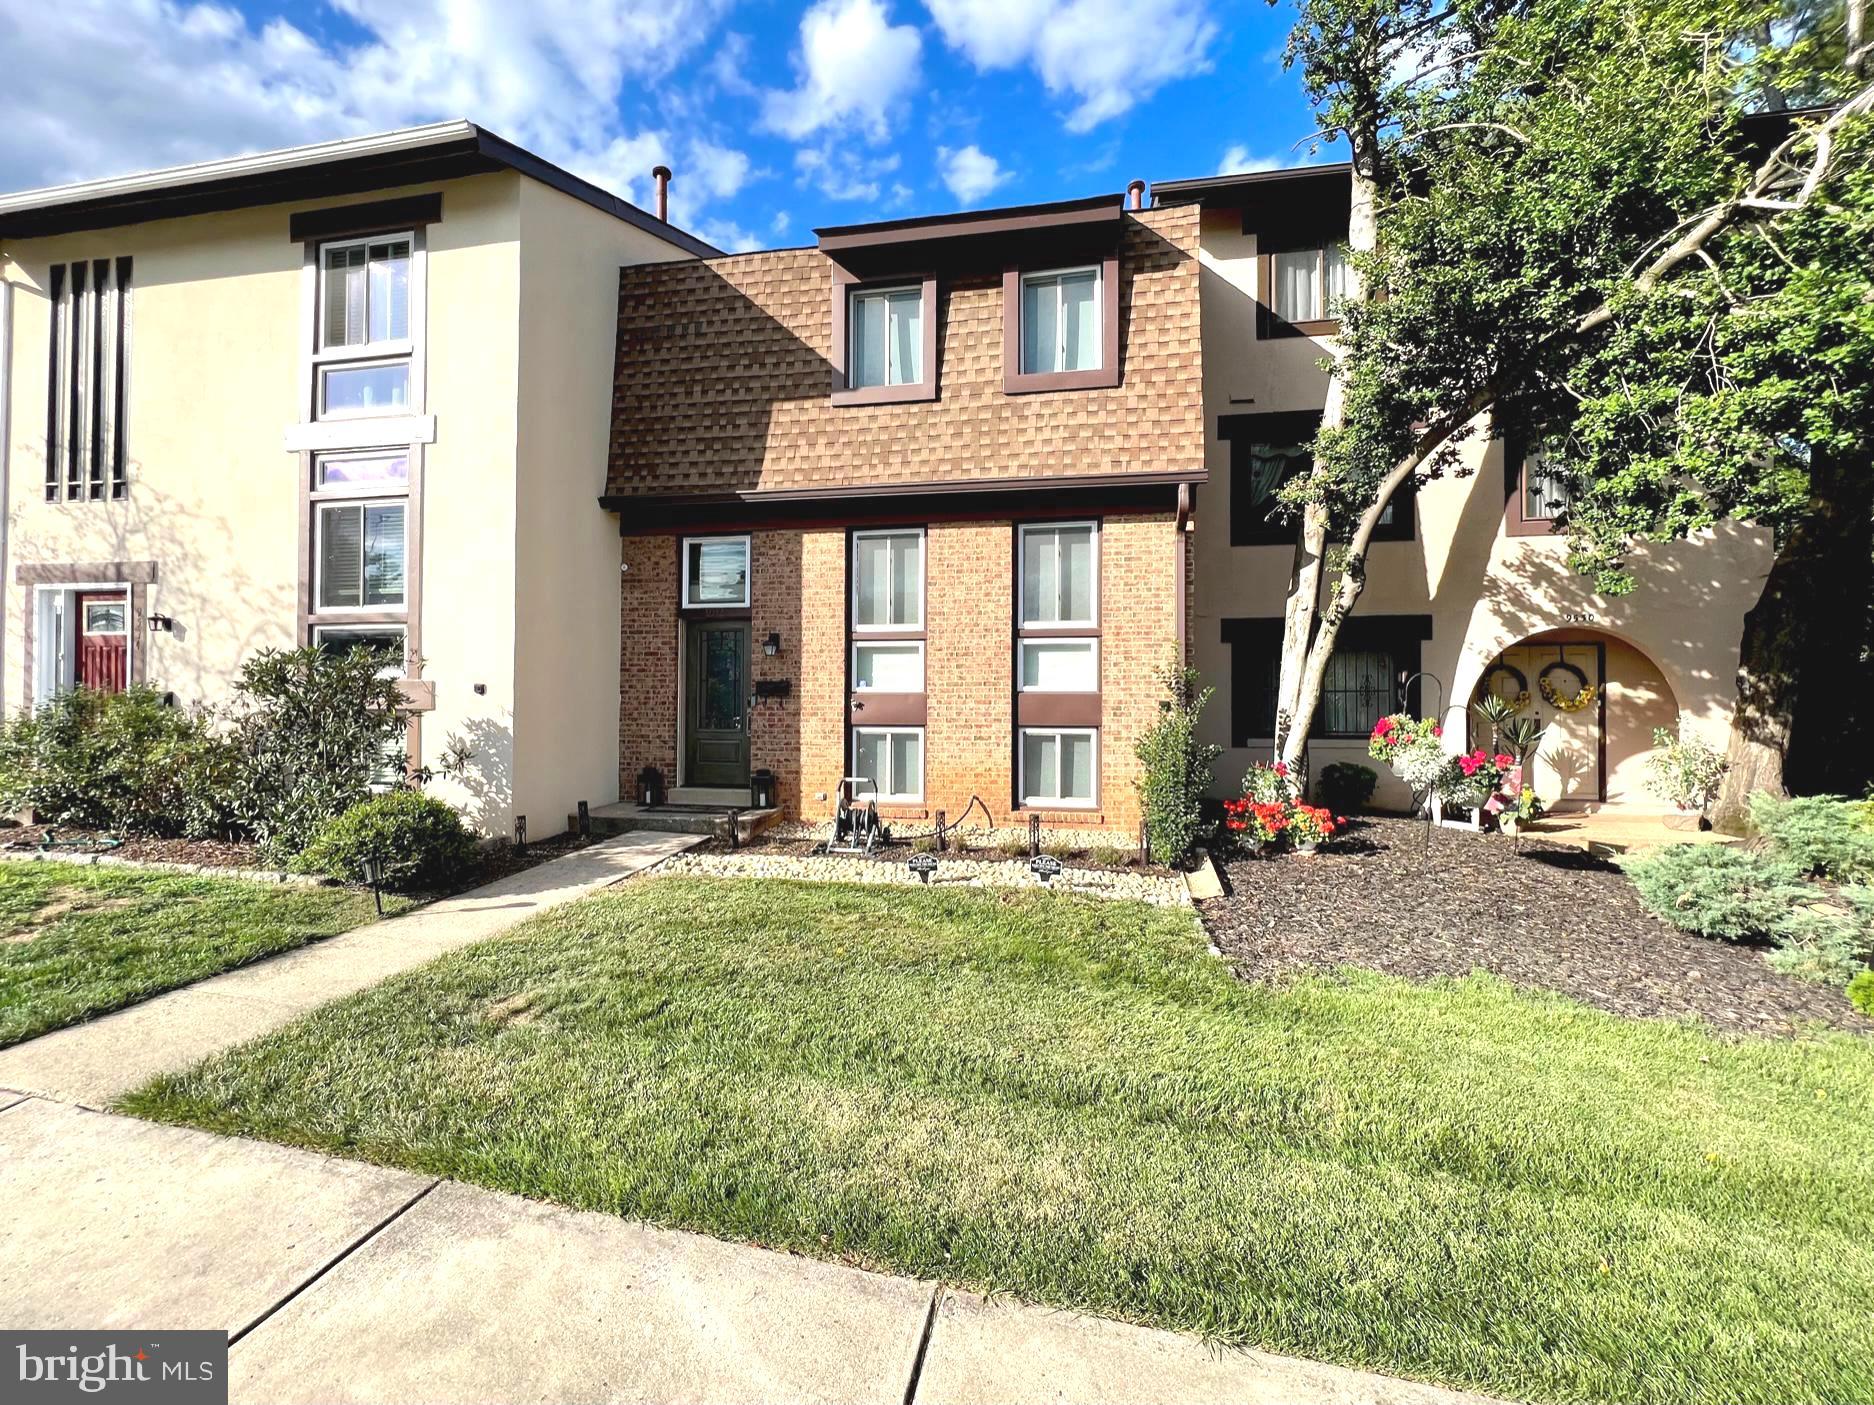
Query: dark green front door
(715,709)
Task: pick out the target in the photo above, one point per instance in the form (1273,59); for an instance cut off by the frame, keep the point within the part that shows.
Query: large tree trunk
(1809,626)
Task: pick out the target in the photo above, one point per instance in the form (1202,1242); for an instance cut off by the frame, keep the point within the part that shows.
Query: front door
(103,642)
(715,710)
(1567,764)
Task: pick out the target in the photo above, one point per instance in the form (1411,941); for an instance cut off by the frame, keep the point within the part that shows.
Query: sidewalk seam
(923,1344)
(235,1338)
(18,1098)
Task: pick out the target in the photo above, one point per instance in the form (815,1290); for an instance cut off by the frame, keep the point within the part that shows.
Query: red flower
(1437,731)
(1504,760)
(1281,768)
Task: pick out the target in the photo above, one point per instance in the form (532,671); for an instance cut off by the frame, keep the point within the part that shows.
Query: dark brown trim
(373,217)
(120,405)
(870,709)
(1207,188)
(1182,526)
(77,362)
(94,470)
(1291,427)
(1091,210)
(55,285)
(845,284)
(1516,492)
(1034,708)
(1255,645)
(86,573)
(1057,710)
(135,576)
(1016,381)
(1270,325)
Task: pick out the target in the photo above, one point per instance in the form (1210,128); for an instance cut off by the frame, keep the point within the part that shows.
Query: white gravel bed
(1160,890)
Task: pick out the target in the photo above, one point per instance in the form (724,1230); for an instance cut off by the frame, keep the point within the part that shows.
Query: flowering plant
(1258,822)
(1268,784)
(1399,732)
(1310,824)
(1478,777)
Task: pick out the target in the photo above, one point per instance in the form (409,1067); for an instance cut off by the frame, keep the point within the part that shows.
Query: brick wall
(799,592)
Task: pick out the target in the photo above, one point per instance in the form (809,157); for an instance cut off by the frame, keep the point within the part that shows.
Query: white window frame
(1043,802)
(1090,642)
(748,572)
(1060,323)
(397,627)
(853,297)
(1021,558)
(348,492)
(323,369)
(911,627)
(401,346)
(56,631)
(923,760)
(859,644)
(320,506)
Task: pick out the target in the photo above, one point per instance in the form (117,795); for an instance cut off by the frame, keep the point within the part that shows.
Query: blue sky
(776,115)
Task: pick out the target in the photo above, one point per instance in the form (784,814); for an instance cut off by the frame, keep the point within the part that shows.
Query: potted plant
(1414,748)
(1309,825)
(1684,771)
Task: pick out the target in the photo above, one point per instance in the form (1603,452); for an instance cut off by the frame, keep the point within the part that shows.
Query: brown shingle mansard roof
(722,381)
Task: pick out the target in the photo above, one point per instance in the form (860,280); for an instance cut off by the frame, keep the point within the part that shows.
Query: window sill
(359,432)
(1089,817)
(1037,382)
(1277,328)
(885,394)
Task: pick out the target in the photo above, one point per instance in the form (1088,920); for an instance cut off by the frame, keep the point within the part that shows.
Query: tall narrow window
(885,337)
(887,710)
(1057,665)
(88,380)
(1061,321)
(365,337)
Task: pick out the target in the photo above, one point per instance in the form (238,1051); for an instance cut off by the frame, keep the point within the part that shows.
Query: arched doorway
(1599,699)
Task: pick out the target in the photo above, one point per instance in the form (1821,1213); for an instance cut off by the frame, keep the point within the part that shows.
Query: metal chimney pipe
(1135,195)
(661,175)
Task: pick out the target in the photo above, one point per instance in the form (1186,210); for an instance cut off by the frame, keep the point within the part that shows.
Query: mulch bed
(1545,916)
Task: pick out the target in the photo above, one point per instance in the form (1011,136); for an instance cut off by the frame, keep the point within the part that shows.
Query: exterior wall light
(162,624)
(772,644)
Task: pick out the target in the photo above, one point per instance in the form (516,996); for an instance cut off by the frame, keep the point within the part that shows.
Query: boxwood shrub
(419,842)
(1346,787)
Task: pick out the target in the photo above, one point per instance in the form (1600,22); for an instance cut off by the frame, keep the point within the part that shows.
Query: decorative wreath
(1584,694)
(1520,698)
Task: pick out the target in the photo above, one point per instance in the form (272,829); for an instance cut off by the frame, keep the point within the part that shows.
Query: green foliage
(313,728)
(1683,770)
(1715,890)
(1821,943)
(119,761)
(924,844)
(1012,846)
(1346,787)
(1061,848)
(1109,856)
(1824,835)
(1861,992)
(1176,766)
(421,843)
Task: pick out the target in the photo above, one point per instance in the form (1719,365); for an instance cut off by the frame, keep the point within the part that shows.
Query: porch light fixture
(772,644)
(161,624)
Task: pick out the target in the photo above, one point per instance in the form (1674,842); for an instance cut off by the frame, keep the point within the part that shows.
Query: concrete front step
(682,818)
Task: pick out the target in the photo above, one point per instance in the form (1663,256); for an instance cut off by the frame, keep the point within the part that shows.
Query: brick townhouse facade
(911,505)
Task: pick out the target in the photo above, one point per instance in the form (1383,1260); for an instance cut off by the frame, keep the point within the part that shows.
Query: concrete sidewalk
(341,1282)
(92,1063)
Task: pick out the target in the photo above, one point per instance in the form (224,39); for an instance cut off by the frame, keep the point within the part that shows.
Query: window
(341,638)
(885,337)
(1547,493)
(104,617)
(889,668)
(1265,452)
(360,556)
(1061,321)
(715,572)
(86,389)
(364,293)
(1060,574)
(1058,768)
(888,580)
(1060,665)
(364,339)
(1308,285)
(892,758)
(386,470)
(1357,689)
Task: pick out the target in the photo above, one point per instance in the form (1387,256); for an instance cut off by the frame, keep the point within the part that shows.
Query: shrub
(1176,766)
(1861,993)
(122,761)
(420,842)
(1715,890)
(1816,944)
(1108,856)
(1683,770)
(1346,787)
(1013,846)
(1821,834)
(314,729)
(924,844)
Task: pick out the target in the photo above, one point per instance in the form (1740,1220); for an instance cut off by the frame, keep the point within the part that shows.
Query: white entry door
(1567,765)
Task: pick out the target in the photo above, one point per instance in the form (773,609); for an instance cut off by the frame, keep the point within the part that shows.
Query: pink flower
(1437,731)
(1281,768)
(1504,760)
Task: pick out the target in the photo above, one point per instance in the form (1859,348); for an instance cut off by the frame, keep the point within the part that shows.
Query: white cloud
(970,172)
(722,170)
(840,174)
(780,224)
(853,68)
(1103,55)
(99,87)
(1237,160)
(727,235)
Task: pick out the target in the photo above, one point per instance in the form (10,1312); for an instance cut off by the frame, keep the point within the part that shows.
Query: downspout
(1185,503)
(6,462)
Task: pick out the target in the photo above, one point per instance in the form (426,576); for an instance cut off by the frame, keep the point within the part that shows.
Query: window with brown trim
(1537,497)
(884,339)
(1060,327)
(1366,676)
(1300,290)
(886,649)
(87,381)
(1057,664)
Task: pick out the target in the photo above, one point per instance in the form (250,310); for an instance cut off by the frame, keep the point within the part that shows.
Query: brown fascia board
(1206,189)
(1062,214)
(474,152)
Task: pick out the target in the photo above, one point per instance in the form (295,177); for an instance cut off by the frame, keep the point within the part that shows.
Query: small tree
(314,729)
(1177,766)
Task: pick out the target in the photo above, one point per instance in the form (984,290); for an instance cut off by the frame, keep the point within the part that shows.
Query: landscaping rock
(1159,889)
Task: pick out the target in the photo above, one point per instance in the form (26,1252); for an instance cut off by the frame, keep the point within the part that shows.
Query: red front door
(103,642)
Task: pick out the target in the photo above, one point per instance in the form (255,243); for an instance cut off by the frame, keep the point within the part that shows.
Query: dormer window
(887,337)
(1061,321)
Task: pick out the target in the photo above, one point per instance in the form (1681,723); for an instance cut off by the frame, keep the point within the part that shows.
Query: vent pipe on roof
(1135,195)
(661,176)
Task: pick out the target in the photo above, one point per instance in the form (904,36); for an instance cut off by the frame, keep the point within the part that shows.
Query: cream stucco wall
(1484,590)
(568,550)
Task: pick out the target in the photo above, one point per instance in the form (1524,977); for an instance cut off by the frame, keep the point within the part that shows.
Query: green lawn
(77,940)
(1070,1101)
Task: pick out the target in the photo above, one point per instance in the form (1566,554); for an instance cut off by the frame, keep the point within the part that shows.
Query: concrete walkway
(338,1281)
(92,1063)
